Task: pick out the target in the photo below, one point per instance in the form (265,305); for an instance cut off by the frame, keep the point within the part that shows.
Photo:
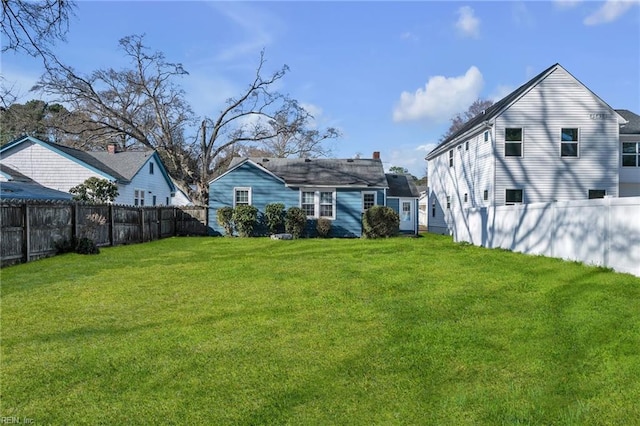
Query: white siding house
(630,157)
(552,139)
(141,177)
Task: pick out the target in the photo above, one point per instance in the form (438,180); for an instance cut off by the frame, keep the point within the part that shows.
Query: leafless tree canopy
(143,106)
(459,120)
(33,26)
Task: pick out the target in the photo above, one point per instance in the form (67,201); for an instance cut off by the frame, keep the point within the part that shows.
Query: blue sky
(389,75)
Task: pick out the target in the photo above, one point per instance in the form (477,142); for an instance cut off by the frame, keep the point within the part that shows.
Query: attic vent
(264,160)
(306,160)
(349,160)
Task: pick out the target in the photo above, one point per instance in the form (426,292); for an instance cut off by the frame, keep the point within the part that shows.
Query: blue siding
(266,189)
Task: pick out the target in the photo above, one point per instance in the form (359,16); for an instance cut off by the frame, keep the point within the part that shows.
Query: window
(433,208)
(138,197)
(448,201)
(486,136)
(466,197)
(466,146)
(368,200)
(569,143)
(513,142)
(450,158)
(150,168)
(166,201)
(316,204)
(513,196)
(485,195)
(631,154)
(153,200)
(241,197)
(597,193)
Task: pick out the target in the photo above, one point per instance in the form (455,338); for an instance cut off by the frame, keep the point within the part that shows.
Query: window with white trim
(513,196)
(486,136)
(597,193)
(316,203)
(242,196)
(150,168)
(450,158)
(513,142)
(138,197)
(368,200)
(630,154)
(569,142)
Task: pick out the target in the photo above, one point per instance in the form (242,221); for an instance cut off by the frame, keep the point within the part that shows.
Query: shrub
(380,222)
(245,219)
(295,221)
(65,246)
(87,246)
(274,217)
(224,215)
(323,226)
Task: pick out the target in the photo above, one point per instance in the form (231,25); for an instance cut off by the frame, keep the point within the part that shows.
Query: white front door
(407,215)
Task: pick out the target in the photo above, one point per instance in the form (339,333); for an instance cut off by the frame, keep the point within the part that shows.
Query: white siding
(47,167)
(558,101)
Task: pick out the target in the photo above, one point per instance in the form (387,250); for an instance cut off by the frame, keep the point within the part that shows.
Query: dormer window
(150,168)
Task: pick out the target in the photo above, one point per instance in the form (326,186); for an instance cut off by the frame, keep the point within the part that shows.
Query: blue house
(336,189)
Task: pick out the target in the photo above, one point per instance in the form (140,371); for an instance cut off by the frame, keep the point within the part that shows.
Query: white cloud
(468,25)
(408,35)
(521,15)
(409,157)
(566,4)
(610,11)
(440,99)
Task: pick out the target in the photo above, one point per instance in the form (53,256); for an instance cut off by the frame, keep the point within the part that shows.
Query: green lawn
(318,332)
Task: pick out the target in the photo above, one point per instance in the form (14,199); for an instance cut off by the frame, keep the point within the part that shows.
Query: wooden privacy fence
(32,230)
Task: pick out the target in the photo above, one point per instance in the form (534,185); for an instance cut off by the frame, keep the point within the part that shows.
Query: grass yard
(318,332)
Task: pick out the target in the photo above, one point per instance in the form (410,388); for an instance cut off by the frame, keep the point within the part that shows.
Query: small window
(485,195)
(450,158)
(326,204)
(138,197)
(569,142)
(631,154)
(166,200)
(433,208)
(368,200)
(241,197)
(448,201)
(597,193)
(308,203)
(466,146)
(153,200)
(513,196)
(466,197)
(486,136)
(150,168)
(513,142)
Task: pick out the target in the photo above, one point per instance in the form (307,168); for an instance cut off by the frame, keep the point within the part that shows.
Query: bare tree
(143,106)
(32,27)
(460,120)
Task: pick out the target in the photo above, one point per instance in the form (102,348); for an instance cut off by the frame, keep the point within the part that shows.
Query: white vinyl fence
(604,232)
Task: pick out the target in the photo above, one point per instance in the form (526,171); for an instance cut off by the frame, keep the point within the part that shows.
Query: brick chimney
(111,148)
(376,155)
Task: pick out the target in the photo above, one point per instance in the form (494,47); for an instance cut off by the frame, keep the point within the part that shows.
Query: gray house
(630,149)
(552,139)
(14,185)
(337,189)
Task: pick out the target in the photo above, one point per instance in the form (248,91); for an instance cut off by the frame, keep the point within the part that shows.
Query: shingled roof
(361,172)
(633,125)
(401,186)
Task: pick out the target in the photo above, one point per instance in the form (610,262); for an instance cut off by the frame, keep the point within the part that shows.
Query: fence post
(26,249)
(112,228)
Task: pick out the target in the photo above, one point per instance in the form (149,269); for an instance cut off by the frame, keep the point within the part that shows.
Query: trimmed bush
(323,226)
(295,221)
(87,246)
(274,217)
(245,219)
(380,222)
(224,215)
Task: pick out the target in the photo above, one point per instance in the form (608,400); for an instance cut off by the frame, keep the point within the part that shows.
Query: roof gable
(357,172)
(503,104)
